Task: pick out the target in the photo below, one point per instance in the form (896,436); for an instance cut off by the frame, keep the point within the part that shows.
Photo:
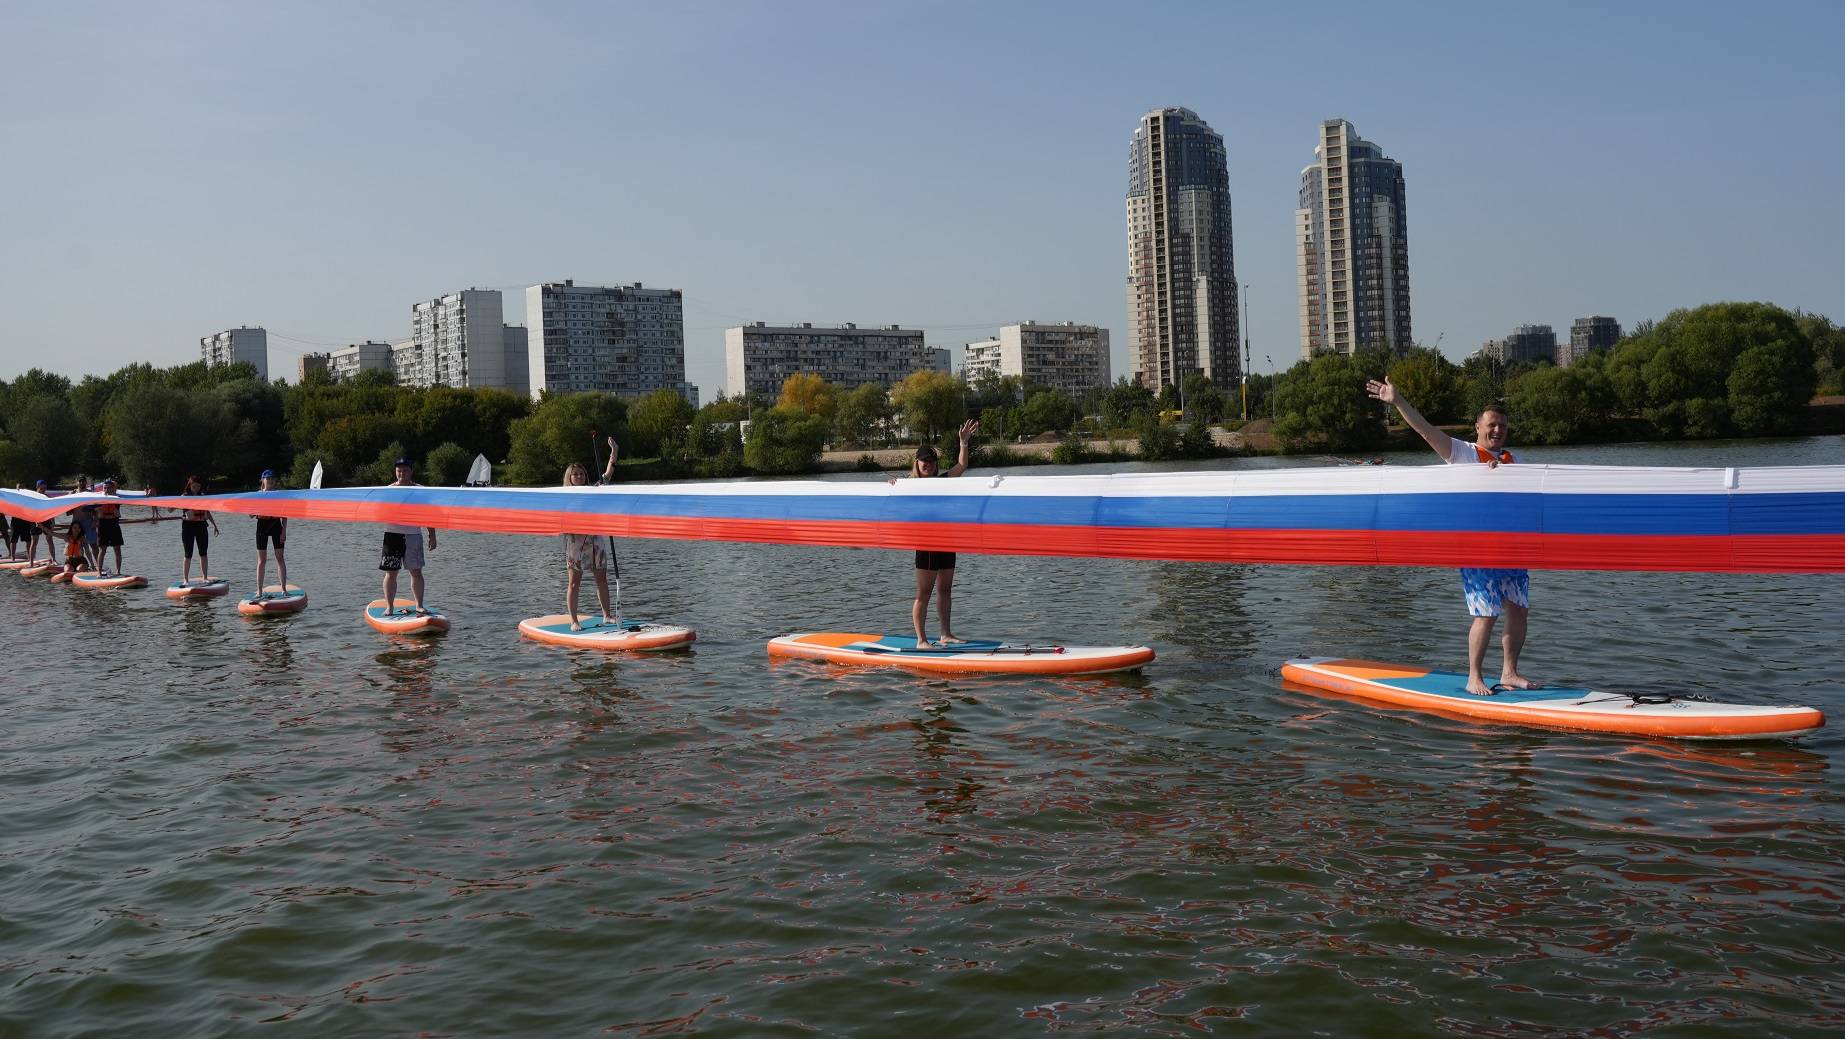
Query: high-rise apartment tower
(1352,247)
(1181,283)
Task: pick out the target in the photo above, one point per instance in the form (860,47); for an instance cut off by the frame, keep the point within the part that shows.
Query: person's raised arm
(967,431)
(608,473)
(1387,393)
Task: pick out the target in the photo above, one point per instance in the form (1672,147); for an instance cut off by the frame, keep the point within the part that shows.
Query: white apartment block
(622,339)
(346,363)
(1064,356)
(461,341)
(238,345)
(406,361)
(759,357)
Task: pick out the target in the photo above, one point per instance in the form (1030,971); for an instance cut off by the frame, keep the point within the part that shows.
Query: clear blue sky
(174,169)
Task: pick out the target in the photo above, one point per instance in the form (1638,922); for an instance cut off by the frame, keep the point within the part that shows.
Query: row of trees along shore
(1727,369)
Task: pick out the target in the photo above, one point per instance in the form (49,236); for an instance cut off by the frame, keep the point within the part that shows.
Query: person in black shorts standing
(192,533)
(108,529)
(269,529)
(935,571)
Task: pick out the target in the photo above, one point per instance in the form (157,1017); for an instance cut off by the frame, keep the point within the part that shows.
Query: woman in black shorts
(192,533)
(269,529)
(935,571)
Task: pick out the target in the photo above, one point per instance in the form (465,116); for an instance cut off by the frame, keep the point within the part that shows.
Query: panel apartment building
(759,357)
(461,340)
(1352,247)
(623,339)
(244,345)
(347,362)
(1064,356)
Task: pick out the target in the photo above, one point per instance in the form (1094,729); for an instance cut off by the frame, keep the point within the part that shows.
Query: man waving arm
(1387,393)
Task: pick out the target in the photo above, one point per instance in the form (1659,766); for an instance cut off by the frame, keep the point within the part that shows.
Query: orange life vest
(1503,457)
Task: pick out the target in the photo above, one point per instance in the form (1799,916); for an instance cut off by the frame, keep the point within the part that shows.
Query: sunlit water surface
(214,826)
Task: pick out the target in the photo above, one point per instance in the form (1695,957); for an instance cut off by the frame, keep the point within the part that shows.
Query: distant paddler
(269,529)
(585,551)
(403,548)
(192,533)
(1490,591)
(29,532)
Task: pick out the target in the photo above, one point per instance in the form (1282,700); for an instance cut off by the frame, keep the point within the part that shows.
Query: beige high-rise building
(1352,247)
(1181,284)
(1064,356)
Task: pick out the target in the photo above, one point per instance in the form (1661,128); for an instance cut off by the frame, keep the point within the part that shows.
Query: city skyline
(323,232)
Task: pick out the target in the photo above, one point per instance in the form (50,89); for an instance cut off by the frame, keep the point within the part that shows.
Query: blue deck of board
(1453,684)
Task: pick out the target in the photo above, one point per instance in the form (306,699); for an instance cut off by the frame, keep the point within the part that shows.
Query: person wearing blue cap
(269,529)
(403,548)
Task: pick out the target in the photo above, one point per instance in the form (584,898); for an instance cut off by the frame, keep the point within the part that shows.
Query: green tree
(1048,411)
(726,409)
(557,432)
(1562,405)
(657,420)
(1125,402)
(158,434)
(1431,382)
(784,441)
(1482,383)
(1689,370)
(46,437)
(931,403)
(862,415)
(348,444)
(1159,441)
(447,466)
(1323,403)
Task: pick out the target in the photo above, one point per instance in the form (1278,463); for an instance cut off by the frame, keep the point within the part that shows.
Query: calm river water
(212,826)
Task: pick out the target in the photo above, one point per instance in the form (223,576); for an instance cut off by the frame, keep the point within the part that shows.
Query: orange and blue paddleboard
(974,657)
(1554,707)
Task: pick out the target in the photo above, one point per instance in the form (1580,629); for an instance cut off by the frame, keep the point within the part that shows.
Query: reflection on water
(300,819)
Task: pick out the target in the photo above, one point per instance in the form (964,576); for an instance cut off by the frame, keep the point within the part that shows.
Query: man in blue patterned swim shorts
(1490,592)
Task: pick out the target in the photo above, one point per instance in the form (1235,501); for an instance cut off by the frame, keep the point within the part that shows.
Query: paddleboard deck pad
(275,601)
(971,657)
(1559,707)
(623,635)
(404,620)
(198,589)
(103,581)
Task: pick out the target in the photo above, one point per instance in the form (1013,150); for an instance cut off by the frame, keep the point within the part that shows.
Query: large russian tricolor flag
(1758,520)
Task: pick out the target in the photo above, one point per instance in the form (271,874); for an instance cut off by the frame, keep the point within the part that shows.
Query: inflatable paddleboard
(198,589)
(972,657)
(275,601)
(404,620)
(21,564)
(624,635)
(61,576)
(1639,714)
(105,581)
(41,568)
